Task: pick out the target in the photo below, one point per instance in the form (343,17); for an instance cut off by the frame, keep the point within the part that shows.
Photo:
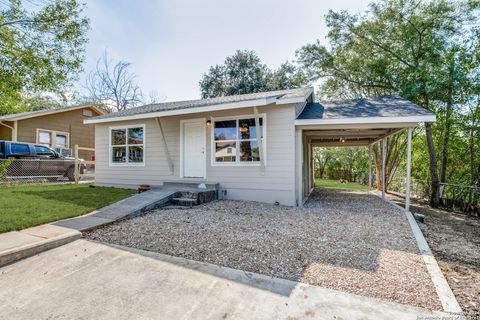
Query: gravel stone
(344,240)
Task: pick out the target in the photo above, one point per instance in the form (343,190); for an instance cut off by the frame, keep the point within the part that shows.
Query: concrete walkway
(126,208)
(90,280)
(17,245)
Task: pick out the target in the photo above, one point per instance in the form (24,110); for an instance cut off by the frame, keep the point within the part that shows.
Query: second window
(236,141)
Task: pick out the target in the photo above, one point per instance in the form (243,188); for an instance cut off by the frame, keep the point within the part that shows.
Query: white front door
(194,149)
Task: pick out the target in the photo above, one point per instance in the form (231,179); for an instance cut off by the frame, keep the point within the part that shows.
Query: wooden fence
(456,197)
(79,173)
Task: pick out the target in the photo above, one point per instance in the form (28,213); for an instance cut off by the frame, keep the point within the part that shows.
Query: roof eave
(53,111)
(218,107)
(307,94)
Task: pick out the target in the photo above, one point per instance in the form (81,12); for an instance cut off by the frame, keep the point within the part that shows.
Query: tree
(287,76)
(244,73)
(321,157)
(114,87)
(41,48)
(401,46)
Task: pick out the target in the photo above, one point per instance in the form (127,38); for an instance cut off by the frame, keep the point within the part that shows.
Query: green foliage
(424,51)
(244,73)
(4,164)
(41,48)
(25,206)
(349,163)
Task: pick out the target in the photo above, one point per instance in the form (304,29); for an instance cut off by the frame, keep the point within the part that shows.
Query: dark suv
(36,161)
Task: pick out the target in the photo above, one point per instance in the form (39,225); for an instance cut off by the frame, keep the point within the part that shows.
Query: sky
(172,43)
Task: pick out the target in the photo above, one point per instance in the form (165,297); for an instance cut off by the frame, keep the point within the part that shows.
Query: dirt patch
(455,242)
(343,240)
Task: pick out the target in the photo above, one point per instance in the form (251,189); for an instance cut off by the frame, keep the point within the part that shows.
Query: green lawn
(23,206)
(335,184)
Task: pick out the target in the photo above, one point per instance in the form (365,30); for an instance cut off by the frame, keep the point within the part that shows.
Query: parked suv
(38,161)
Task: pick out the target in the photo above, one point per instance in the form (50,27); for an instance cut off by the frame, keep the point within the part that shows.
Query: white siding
(241,182)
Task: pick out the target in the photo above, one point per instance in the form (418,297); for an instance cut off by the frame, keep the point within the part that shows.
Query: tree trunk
(435,193)
(448,123)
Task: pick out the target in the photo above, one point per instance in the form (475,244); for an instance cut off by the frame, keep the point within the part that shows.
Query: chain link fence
(36,170)
(45,170)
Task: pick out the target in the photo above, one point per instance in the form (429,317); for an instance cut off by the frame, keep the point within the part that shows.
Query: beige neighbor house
(256,146)
(57,128)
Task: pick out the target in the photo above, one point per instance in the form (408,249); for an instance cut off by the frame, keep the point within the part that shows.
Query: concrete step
(189,185)
(186,202)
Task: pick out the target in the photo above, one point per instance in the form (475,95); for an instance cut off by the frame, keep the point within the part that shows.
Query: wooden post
(76,172)
(15,131)
(409,164)
(369,166)
(169,158)
(384,148)
(260,142)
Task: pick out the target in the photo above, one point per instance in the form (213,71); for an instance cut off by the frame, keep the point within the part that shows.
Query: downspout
(14,129)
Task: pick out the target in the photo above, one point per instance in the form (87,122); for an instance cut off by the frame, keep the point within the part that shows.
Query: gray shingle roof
(38,113)
(382,106)
(178,105)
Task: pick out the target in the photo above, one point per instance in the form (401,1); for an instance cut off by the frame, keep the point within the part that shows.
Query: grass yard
(335,184)
(23,206)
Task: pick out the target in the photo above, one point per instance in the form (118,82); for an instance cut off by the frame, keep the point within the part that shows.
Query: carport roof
(359,122)
(390,108)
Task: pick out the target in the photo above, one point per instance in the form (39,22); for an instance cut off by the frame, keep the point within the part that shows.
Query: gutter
(366,120)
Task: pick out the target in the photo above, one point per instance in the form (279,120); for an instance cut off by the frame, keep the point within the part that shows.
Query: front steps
(189,194)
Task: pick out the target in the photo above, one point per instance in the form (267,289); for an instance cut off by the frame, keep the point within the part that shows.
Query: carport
(354,122)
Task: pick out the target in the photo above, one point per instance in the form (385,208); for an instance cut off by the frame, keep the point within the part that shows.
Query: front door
(194,149)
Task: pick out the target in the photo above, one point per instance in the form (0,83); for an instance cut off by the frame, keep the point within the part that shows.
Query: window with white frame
(127,145)
(236,140)
(53,138)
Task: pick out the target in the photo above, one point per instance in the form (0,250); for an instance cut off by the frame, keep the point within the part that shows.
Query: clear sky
(171,43)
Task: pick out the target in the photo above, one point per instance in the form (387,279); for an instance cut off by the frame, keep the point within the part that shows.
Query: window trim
(53,136)
(238,163)
(126,164)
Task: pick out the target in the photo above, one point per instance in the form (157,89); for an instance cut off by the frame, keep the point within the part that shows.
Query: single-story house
(256,146)
(57,128)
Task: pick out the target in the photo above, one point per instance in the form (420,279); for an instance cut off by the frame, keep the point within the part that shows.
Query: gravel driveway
(343,240)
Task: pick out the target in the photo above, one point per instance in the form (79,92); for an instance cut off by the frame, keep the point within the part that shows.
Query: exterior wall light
(209,123)
(244,128)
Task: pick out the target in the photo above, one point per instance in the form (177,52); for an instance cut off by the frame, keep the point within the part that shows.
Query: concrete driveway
(90,280)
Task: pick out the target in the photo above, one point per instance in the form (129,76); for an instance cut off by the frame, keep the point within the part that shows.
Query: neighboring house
(57,128)
(256,146)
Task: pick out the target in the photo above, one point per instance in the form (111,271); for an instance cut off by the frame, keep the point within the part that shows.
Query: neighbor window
(61,140)
(235,141)
(45,137)
(127,145)
(53,138)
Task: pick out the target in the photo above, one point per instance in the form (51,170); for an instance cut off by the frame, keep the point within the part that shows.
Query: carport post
(383,166)
(409,164)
